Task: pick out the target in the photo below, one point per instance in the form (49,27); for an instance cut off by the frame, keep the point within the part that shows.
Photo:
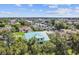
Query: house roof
(30,35)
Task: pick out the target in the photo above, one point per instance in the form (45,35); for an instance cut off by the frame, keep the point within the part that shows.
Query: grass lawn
(18,35)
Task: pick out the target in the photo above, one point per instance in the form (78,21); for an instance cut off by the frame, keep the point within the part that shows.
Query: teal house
(40,36)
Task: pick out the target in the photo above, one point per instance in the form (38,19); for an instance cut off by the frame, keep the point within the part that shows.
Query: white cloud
(49,12)
(52,6)
(61,12)
(18,5)
(5,12)
(64,10)
(76,9)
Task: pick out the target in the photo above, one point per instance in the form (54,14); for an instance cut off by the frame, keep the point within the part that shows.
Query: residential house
(6,28)
(1,37)
(25,29)
(12,21)
(42,26)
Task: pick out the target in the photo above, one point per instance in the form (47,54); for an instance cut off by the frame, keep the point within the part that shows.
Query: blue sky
(39,10)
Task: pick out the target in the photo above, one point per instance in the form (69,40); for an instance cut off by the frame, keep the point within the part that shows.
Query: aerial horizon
(37,17)
(39,10)
(39,29)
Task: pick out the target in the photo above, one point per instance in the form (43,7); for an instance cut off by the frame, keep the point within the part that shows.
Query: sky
(39,10)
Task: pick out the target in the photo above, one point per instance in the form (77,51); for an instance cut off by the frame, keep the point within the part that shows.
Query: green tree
(60,25)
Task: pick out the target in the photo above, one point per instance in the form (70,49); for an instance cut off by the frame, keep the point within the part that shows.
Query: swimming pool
(37,35)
